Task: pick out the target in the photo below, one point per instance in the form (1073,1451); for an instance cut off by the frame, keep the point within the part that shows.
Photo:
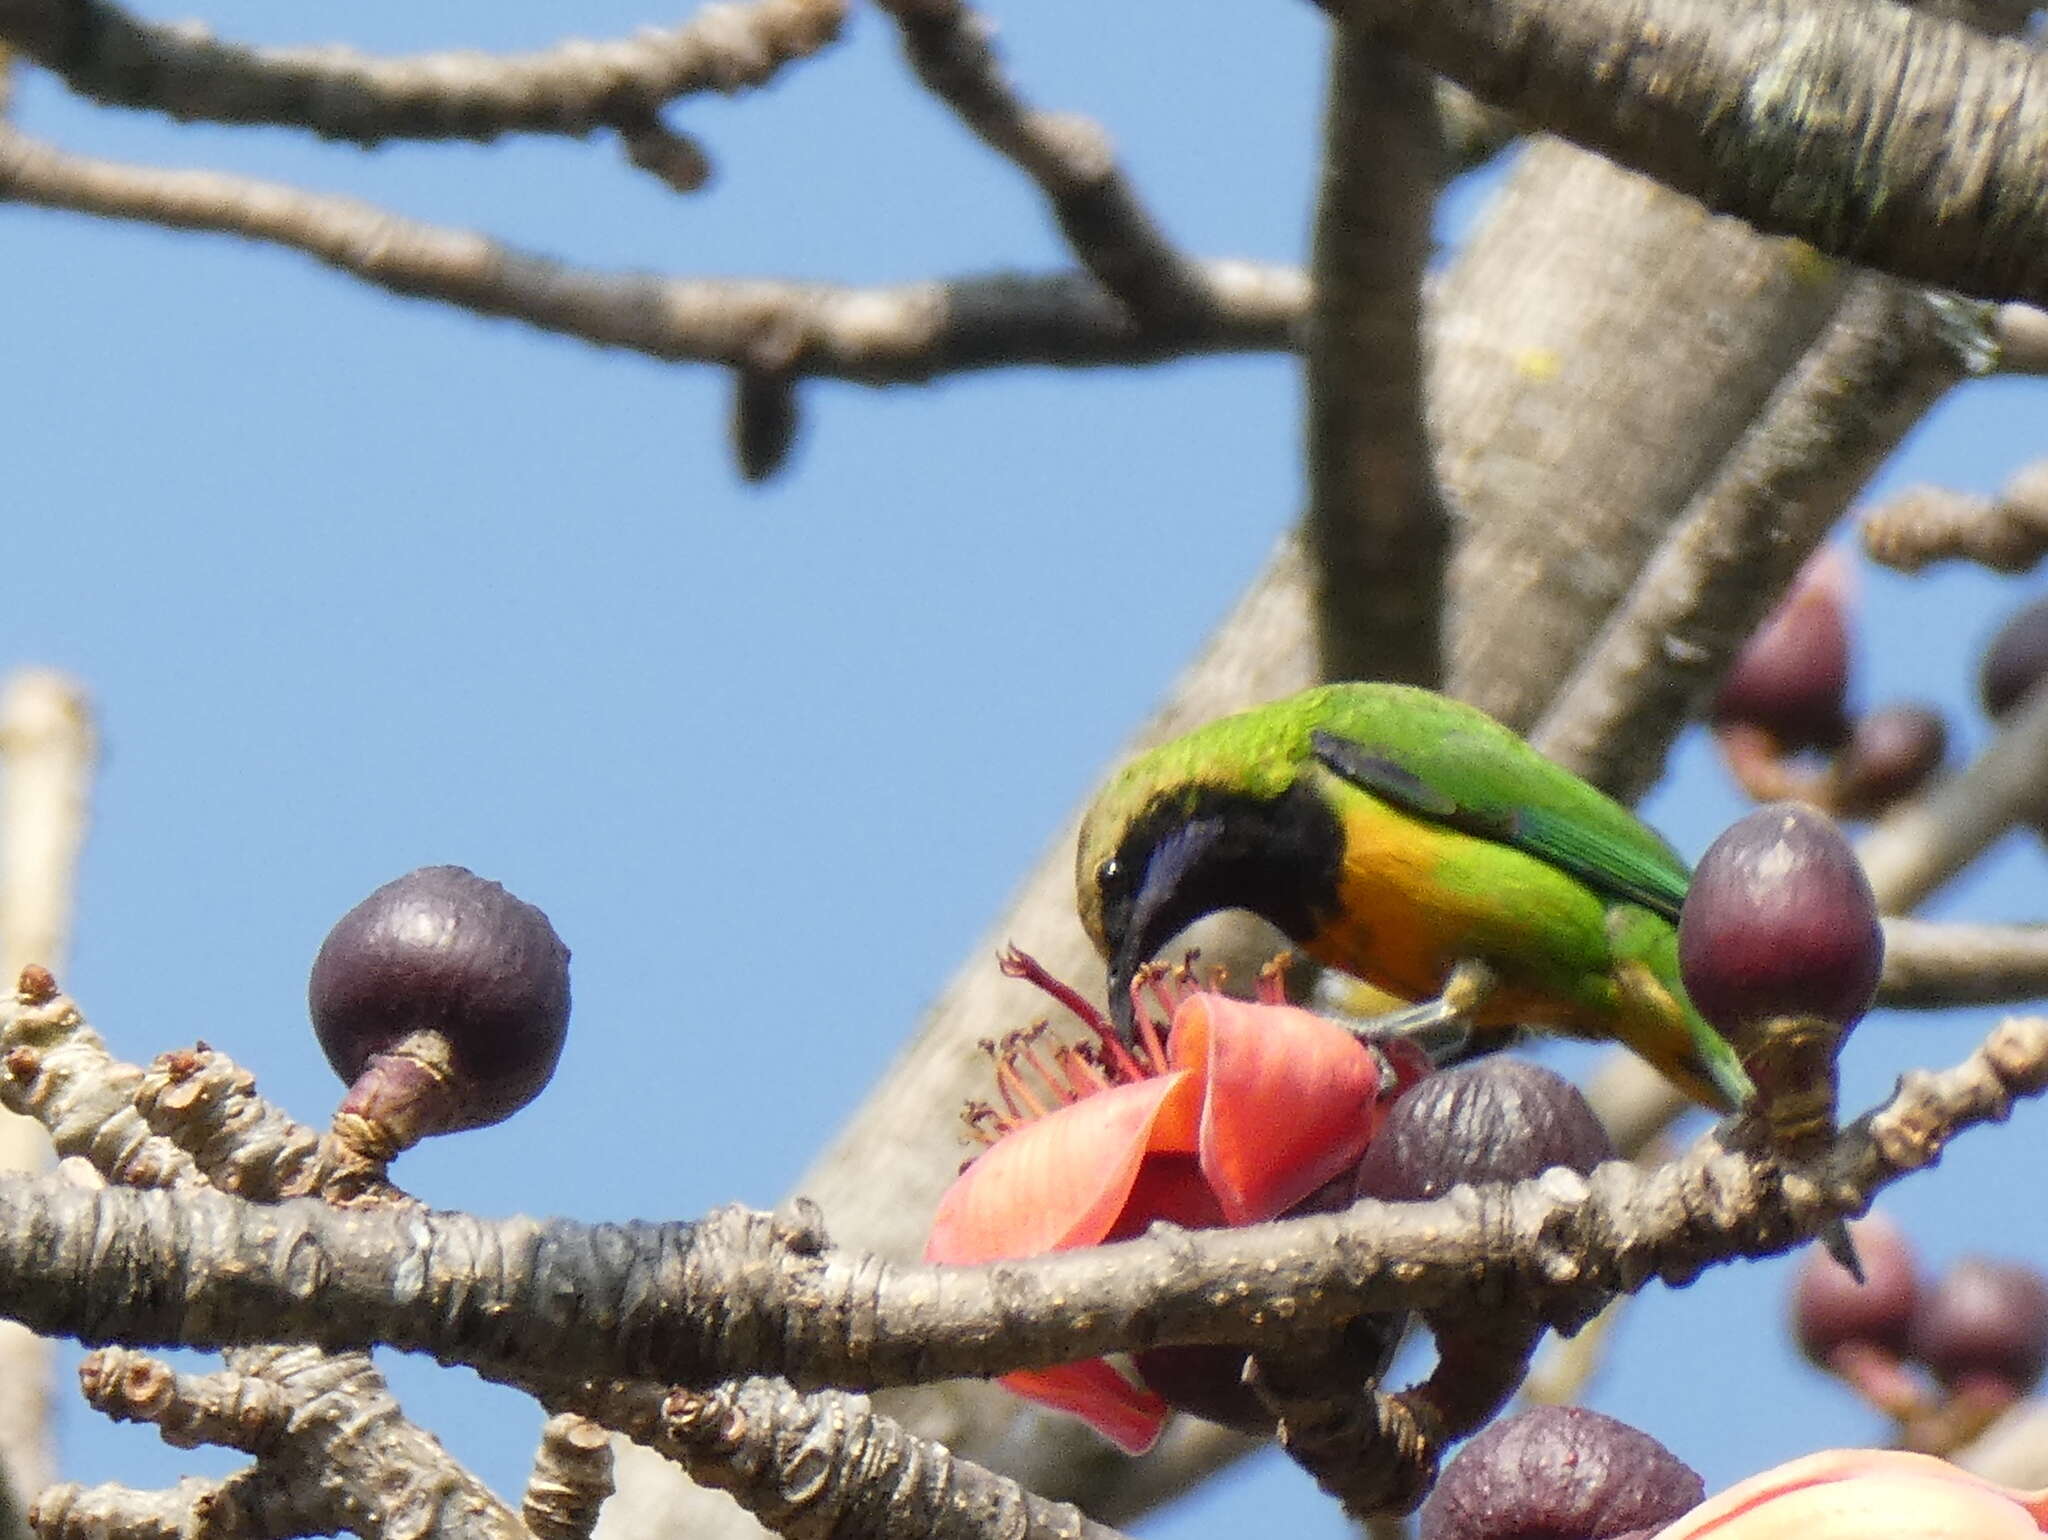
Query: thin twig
(884,336)
(250,1505)
(1921,845)
(2008,533)
(1929,964)
(104,53)
(1069,158)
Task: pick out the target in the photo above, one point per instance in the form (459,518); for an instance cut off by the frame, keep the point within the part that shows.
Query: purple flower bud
(1985,1323)
(1780,922)
(1493,1120)
(2015,660)
(1830,1309)
(1792,678)
(1890,755)
(442,1001)
(1559,1473)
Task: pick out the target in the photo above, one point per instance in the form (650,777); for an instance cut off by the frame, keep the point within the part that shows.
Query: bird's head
(1159,851)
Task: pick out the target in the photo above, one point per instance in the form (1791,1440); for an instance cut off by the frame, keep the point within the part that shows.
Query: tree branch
(1376,529)
(827,1464)
(1604,349)
(2008,533)
(1897,139)
(104,53)
(1930,964)
(1889,356)
(572,1477)
(742,1293)
(1918,847)
(2021,332)
(1068,157)
(906,334)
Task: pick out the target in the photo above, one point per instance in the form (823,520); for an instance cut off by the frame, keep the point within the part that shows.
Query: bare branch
(251,1505)
(572,1477)
(824,1464)
(744,1293)
(251,1413)
(50,749)
(348,1440)
(910,333)
(2021,332)
(104,53)
(1921,845)
(1070,159)
(1898,139)
(1603,350)
(1889,356)
(201,1101)
(2008,533)
(1376,529)
(48,752)
(1930,964)
(57,1070)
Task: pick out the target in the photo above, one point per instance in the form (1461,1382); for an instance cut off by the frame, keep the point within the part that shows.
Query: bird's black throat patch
(1193,854)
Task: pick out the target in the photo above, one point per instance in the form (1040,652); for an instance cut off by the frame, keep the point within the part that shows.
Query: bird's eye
(1108,874)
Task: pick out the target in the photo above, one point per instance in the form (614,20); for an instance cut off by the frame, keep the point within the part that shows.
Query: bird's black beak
(1168,899)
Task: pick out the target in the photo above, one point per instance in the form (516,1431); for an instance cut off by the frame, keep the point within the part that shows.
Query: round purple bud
(1780,921)
(1890,755)
(1559,1473)
(1986,1323)
(1831,1310)
(442,1001)
(1493,1120)
(2015,660)
(1792,677)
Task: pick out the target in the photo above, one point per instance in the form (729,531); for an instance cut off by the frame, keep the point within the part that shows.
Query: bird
(1413,842)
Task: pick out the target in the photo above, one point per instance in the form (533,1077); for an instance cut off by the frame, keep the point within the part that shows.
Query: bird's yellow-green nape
(1393,833)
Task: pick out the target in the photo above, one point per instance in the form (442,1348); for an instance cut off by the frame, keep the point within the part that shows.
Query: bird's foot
(1442,1027)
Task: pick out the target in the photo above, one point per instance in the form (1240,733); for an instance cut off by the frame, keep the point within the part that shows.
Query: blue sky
(360,584)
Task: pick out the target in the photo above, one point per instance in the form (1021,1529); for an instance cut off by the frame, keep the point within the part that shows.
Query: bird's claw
(1442,1027)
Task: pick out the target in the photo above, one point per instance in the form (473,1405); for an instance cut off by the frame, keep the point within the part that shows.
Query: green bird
(1415,843)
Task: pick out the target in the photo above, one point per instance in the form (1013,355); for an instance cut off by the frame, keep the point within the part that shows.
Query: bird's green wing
(1446,762)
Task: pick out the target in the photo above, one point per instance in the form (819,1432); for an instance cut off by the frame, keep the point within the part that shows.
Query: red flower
(1244,1111)
(1865,1494)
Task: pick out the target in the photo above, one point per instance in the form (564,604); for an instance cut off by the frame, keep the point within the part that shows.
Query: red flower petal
(1290,1100)
(1092,1390)
(1169,1187)
(1062,1180)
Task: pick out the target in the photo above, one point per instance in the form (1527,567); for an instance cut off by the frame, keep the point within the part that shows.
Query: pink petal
(1092,1390)
(1061,1180)
(1851,1494)
(1290,1100)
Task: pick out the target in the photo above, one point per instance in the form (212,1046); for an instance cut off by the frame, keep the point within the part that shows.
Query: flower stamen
(1026,1050)
(1083,1073)
(1149,981)
(1018,964)
(1273,980)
